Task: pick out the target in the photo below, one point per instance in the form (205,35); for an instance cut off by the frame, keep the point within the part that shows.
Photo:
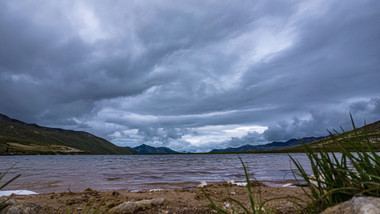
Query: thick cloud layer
(191,75)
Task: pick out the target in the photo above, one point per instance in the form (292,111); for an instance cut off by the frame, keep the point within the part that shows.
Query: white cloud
(218,134)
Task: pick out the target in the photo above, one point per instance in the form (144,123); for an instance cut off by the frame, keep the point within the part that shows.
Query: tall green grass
(337,179)
(347,167)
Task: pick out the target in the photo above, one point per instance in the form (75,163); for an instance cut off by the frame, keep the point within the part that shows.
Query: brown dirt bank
(177,201)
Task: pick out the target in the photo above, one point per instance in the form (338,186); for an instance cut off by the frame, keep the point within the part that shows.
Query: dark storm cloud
(334,58)
(140,71)
(161,134)
(318,123)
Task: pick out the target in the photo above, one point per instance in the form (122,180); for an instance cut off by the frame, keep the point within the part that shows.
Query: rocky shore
(186,201)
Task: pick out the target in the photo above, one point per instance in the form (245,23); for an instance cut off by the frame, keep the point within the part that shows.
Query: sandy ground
(177,201)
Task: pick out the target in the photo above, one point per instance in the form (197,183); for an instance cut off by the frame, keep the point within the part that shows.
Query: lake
(57,173)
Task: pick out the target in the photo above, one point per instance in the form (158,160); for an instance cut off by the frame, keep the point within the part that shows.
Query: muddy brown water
(59,173)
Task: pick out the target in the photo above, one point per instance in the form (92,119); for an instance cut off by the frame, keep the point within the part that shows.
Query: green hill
(19,138)
(370,132)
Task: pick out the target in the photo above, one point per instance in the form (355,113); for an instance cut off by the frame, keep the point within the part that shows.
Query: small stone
(89,190)
(226,205)
(114,193)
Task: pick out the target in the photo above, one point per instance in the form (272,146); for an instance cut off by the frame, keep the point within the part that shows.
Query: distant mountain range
(145,149)
(19,138)
(270,146)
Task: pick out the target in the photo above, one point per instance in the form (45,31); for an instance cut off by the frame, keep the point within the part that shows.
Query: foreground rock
(16,207)
(131,207)
(357,205)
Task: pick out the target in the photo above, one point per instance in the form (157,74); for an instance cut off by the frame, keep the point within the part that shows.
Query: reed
(4,202)
(256,204)
(337,179)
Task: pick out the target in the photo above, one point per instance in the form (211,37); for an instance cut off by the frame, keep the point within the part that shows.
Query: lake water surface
(58,173)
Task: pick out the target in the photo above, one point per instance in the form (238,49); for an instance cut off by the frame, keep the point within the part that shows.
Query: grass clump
(256,204)
(4,202)
(90,209)
(337,179)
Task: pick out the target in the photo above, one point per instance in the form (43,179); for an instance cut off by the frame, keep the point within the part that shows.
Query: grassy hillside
(17,137)
(371,130)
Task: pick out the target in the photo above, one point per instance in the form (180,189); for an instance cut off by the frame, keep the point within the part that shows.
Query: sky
(191,75)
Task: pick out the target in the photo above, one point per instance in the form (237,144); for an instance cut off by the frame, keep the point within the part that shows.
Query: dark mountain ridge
(17,138)
(145,149)
(369,132)
(270,146)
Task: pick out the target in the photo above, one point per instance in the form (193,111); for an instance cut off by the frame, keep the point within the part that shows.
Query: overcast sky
(191,75)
